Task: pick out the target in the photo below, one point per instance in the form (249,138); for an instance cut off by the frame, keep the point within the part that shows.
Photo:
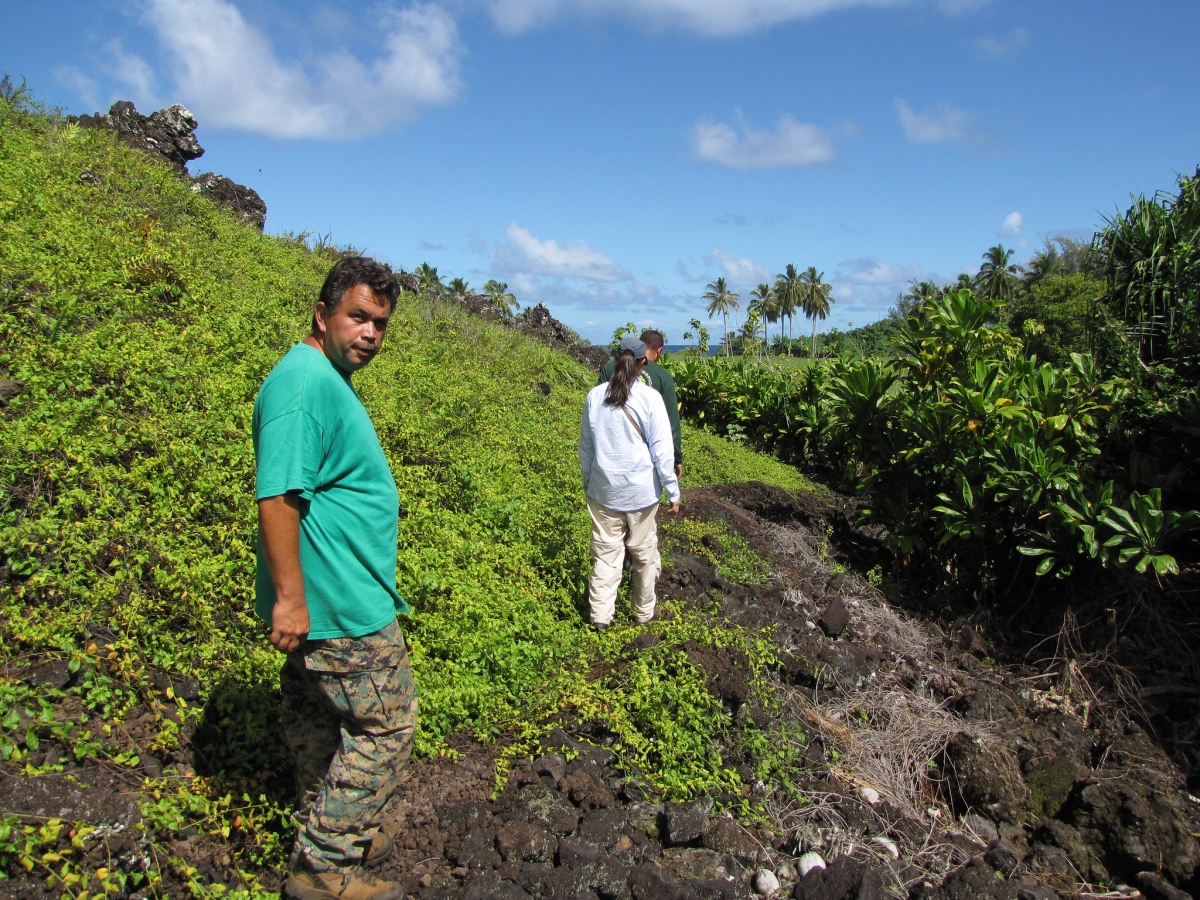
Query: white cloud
(1011,226)
(712,18)
(228,72)
(865,289)
(877,272)
(999,47)
(738,270)
(524,254)
(937,125)
(791,144)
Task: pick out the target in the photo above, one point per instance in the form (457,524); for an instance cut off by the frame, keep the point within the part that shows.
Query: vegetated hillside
(136,323)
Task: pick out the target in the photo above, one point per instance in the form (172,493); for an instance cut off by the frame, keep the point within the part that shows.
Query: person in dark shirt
(659,379)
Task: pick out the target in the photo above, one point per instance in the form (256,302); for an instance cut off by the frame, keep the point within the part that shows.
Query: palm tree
(788,292)
(1044,263)
(768,307)
(458,286)
(750,328)
(497,292)
(998,278)
(721,300)
(428,281)
(910,302)
(816,300)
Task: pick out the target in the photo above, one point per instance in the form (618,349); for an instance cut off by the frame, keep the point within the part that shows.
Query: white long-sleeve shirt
(621,470)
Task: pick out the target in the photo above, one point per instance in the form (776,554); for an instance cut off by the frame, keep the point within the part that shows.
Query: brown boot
(346,884)
(380,849)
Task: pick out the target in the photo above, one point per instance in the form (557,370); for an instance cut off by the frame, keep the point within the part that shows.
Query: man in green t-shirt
(326,585)
(659,379)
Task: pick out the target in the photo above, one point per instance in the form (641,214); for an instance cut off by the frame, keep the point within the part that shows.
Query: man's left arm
(672,404)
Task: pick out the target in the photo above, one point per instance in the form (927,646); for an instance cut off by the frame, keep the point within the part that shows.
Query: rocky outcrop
(169,135)
(535,321)
(243,202)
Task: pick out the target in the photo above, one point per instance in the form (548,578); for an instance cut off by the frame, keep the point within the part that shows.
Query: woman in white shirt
(627,460)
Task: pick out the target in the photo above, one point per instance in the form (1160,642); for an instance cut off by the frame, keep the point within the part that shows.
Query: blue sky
(612,157)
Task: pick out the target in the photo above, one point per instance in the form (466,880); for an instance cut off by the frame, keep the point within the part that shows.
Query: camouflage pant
(350,715)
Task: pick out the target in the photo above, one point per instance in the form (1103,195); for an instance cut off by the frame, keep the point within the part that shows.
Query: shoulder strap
(633,423)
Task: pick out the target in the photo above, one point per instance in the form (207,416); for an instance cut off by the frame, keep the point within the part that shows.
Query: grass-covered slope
(137,321)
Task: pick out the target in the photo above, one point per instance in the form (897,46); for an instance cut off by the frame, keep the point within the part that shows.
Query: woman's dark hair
(623,377)
(353,270)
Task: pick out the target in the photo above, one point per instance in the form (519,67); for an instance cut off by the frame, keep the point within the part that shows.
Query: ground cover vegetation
(1018,424)
(137,321)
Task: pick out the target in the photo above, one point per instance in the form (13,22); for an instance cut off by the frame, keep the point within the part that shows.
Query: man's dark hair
(354,270)
(652,339)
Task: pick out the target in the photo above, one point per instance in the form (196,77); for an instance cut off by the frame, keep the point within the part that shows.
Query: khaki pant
(350,715)
(612,532)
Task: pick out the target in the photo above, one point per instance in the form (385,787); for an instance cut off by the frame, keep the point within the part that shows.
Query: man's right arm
(279,531)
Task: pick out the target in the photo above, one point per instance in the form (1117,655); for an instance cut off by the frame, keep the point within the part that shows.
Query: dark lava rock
(988,776)
(537,321)
(92,797)
(1051,781)
(1155,887)
(724,670)
(974,881)
(552,765)
(970,640)
(842,879)
(1137,829)
(547,808)
(585,790)
(464,818)
(520,840)
(835,618)
(9,388)
(168,134)
(1003,858)
(55,673)
(187,688)
(603,827)
(726,836)
(244,202)
(1051,833)
(648,882)
(494,889)
(685,823)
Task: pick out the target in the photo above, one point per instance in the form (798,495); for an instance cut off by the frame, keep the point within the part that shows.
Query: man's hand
(289,625)
(672,510)
(279,531)
(678,470)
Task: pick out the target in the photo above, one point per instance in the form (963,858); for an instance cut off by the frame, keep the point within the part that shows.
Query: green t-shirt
(659,379)
(312,435)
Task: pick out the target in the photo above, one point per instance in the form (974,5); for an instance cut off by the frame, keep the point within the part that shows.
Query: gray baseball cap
(633,345)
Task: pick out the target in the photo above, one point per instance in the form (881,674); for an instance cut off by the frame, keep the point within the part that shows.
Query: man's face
(351,336)
(653,354)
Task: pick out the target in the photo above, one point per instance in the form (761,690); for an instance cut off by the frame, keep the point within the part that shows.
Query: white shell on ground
(870,795)
(808,862)
(765,882)
(889,845)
